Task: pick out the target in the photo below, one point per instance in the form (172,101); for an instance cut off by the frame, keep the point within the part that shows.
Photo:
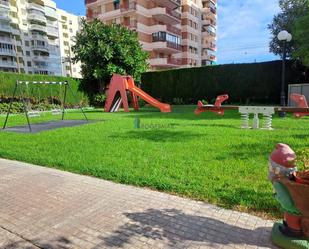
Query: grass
(205,158)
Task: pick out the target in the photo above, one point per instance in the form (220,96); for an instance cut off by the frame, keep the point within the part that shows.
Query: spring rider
(292,192)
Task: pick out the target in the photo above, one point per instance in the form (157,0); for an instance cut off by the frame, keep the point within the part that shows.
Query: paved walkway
(47,208)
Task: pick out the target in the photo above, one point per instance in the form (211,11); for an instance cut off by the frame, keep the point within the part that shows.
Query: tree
(104,50)
(291,10)
(301,36)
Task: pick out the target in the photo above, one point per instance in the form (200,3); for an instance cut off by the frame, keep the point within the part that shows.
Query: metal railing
(173,45)
(8,63)
(7,51)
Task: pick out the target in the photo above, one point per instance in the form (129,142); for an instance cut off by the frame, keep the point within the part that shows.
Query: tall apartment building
(32,37)
(69,25)
(175,33)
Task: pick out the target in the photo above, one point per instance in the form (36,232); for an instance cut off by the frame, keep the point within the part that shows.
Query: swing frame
(23,99)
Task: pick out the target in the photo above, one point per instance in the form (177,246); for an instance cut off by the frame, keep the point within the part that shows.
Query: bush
(244,83)
(39,93)
(98,100)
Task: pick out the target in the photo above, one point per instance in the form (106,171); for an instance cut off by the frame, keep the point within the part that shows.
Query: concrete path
(47,208)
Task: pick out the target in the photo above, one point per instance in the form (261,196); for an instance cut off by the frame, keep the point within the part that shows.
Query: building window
(28,53)
(116,4)
(29,63)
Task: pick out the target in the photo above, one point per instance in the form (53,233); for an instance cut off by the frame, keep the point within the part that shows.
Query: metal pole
(10,106)
(64,99)
(282,95)
(74,96)
(26,113)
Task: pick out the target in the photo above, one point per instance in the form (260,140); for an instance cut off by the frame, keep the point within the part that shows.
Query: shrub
(37,93)
(245,83)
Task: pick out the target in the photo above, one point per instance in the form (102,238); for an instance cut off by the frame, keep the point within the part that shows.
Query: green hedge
(245,83)
(39,92)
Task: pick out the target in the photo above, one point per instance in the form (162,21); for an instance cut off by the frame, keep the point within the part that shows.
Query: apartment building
(69,25)
(31,38)
(175,33)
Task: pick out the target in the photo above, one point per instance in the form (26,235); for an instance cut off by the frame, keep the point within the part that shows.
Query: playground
(206,157)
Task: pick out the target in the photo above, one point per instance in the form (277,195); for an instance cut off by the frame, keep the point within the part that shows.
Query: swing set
(25,92)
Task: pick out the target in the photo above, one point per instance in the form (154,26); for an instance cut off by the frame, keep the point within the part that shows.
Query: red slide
(150,100)
(117,96)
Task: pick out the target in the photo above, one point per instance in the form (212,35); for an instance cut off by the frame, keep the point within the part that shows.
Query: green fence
(244,83)
(39,91)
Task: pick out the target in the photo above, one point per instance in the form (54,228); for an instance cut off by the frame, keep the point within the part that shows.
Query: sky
(242,28)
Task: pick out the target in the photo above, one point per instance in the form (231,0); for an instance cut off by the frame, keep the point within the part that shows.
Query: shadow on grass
(174,228)
(158,135)
(59,243)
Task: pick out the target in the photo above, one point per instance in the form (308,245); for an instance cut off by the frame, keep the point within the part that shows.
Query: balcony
(4,15)
(166,47)
(35,6)
(166,15)
(210,46)
(209,30)
(209,57)
(7,40)
(4,4)
(165,62)
(51,14)
(5,28)
(40,58)
(8,64)
(40,48)
(130,24)
(163,28)
(52,32)
(108,15)
(7,52)
(131,6)
(171,4)
(37,27)
(37,17)
(41,66)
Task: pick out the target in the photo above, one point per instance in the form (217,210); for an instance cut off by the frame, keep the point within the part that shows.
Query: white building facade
(33,38)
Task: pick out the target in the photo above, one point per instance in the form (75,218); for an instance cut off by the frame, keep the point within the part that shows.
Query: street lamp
(285,37)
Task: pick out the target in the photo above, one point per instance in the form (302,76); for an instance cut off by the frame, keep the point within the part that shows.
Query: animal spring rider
(292,192)
(267,112)
(300,101)
(220,99)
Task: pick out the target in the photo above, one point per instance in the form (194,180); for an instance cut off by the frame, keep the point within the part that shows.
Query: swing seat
(56,111)
(34,114)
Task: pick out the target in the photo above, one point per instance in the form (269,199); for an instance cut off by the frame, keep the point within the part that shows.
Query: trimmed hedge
(244,83)
(40,92)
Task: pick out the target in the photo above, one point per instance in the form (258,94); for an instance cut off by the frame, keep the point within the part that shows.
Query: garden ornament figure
(292,192)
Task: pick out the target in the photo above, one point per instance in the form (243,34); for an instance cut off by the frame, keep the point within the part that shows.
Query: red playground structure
(117,95)
(220,99)
(301,102)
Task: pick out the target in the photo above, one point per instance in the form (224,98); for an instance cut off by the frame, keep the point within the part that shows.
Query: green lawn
(206,158)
